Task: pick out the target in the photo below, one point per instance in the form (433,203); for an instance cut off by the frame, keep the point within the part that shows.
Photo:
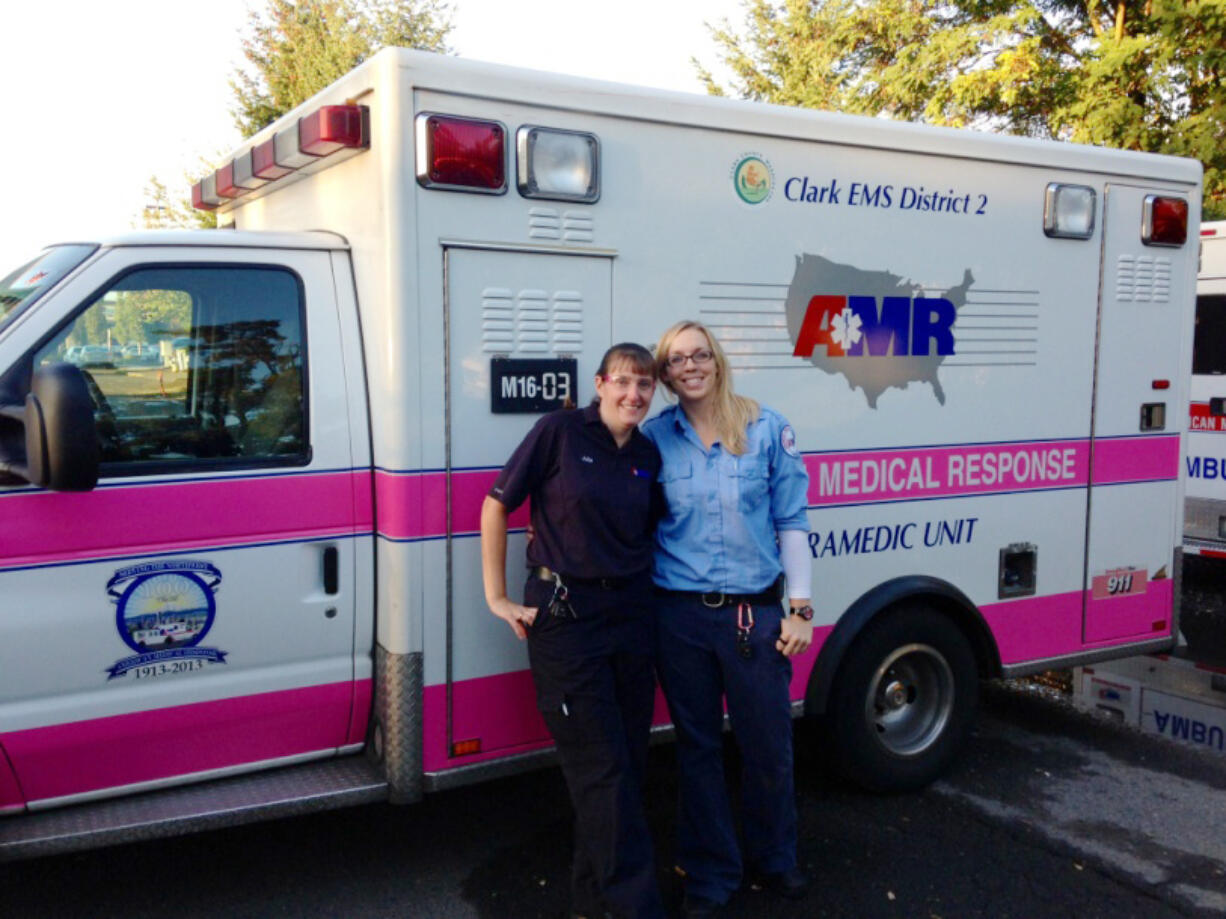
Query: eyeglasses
(644,385)
(699,357)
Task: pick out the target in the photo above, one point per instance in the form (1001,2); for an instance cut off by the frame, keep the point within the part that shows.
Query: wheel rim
(910,699)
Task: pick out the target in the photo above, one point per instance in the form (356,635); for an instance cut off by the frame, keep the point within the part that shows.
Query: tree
(294,49)
(161,211)
(297,47)
(1135,74)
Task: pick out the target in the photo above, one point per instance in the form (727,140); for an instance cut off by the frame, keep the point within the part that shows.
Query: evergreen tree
(297,47)
(1135,74)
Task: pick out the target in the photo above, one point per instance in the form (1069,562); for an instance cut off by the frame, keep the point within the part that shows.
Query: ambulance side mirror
(61,437)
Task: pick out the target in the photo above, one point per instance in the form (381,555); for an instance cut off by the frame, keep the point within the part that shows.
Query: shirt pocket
(752,477)
(677,480)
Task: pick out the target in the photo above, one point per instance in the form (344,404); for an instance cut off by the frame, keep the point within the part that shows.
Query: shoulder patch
(787,440)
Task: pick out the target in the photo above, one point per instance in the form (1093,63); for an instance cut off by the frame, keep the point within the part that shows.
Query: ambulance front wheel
(903,701)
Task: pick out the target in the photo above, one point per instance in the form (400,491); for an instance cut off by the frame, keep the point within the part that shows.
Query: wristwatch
(804,612)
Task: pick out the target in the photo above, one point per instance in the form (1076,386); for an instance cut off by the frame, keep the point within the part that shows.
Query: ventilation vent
(497,319)
(572,226)
(1143,279)
(578,227)
(531,321)
(544,223)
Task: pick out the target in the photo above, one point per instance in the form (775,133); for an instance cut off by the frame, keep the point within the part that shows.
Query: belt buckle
(719,601)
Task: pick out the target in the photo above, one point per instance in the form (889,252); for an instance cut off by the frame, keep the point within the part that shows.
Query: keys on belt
(559,603)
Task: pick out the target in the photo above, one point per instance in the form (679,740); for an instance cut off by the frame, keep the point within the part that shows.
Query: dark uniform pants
(596,689)
(699,666)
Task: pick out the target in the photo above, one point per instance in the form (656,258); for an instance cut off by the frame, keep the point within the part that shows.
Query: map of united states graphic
(876,329)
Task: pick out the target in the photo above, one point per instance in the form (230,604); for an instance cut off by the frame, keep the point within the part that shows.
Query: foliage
(1136,74)
(297,47)
(151,315)
(162,212)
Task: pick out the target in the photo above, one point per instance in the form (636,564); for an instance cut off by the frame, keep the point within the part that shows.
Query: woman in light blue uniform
(736,525)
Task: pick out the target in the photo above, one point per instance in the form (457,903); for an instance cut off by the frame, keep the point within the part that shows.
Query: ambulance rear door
(1144,312)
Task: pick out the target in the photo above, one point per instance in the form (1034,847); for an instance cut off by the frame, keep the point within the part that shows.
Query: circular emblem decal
(753,179)
(170,609)
(163,610)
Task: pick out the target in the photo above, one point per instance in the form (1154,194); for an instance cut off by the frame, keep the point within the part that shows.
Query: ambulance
(1205,466)
(1182,695)
(246,582)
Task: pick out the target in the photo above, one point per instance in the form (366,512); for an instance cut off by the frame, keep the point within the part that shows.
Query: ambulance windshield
(24,286)
(1209,343)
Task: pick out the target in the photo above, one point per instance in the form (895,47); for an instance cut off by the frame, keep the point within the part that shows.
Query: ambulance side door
(192,615)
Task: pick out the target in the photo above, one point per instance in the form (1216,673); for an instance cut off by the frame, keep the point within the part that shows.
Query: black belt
(715,599)
(548,574)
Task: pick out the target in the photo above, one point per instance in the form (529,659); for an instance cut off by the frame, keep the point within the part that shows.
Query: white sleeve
(797,562)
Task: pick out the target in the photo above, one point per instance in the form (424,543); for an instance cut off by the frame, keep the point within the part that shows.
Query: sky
(101,96)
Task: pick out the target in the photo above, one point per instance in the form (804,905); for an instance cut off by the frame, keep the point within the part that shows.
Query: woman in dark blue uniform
(587,615)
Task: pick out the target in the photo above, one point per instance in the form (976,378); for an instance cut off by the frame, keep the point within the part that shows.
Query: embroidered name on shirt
(587,459)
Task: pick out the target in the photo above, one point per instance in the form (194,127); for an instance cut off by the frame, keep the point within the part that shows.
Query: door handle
(332,570)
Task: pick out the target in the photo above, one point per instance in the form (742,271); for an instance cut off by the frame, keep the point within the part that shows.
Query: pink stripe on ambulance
(150,518)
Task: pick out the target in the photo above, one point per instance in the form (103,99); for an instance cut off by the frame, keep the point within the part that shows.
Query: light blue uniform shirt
(724,510)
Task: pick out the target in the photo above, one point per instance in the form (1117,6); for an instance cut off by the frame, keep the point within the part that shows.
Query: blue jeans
(700,666)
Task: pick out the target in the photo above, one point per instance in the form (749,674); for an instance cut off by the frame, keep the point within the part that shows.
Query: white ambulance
(1205,464)
(1182,695)
(257,566)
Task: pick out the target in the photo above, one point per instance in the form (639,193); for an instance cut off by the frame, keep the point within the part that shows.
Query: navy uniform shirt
(594,507)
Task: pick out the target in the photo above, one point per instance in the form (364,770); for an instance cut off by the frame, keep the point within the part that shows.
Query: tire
(903,701)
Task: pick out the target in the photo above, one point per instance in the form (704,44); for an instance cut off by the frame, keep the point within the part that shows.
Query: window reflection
(190,364)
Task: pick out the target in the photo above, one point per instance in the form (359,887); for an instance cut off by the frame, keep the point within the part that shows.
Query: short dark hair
(628,352)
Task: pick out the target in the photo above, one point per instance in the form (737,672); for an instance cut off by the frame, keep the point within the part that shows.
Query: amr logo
(857,326)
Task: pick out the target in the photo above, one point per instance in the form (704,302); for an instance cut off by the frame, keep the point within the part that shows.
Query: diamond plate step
(225,802)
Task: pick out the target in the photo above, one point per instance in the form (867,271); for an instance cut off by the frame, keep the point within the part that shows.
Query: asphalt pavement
(1051,812)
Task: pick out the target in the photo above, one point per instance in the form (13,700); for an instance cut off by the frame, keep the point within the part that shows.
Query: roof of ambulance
(236,239)
(477,79)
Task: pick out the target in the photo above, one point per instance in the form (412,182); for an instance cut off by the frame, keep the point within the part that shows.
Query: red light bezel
(332,128)
(1165,221)
(225,182)
(462,154)
(198,201)
(264,163)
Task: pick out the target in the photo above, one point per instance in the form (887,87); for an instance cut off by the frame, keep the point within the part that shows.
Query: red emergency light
(1164,221)
(332,128)
(461,154)
(264,163)
(198,197)
(204,194)
(225,182)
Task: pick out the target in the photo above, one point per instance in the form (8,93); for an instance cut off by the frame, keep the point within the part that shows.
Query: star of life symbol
(845,329)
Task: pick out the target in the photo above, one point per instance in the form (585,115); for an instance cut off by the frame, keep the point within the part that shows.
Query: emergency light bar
(315,136)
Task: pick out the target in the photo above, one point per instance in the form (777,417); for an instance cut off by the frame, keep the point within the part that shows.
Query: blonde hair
(733,413)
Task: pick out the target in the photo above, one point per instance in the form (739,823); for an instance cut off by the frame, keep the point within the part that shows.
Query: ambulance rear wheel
(904,700)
